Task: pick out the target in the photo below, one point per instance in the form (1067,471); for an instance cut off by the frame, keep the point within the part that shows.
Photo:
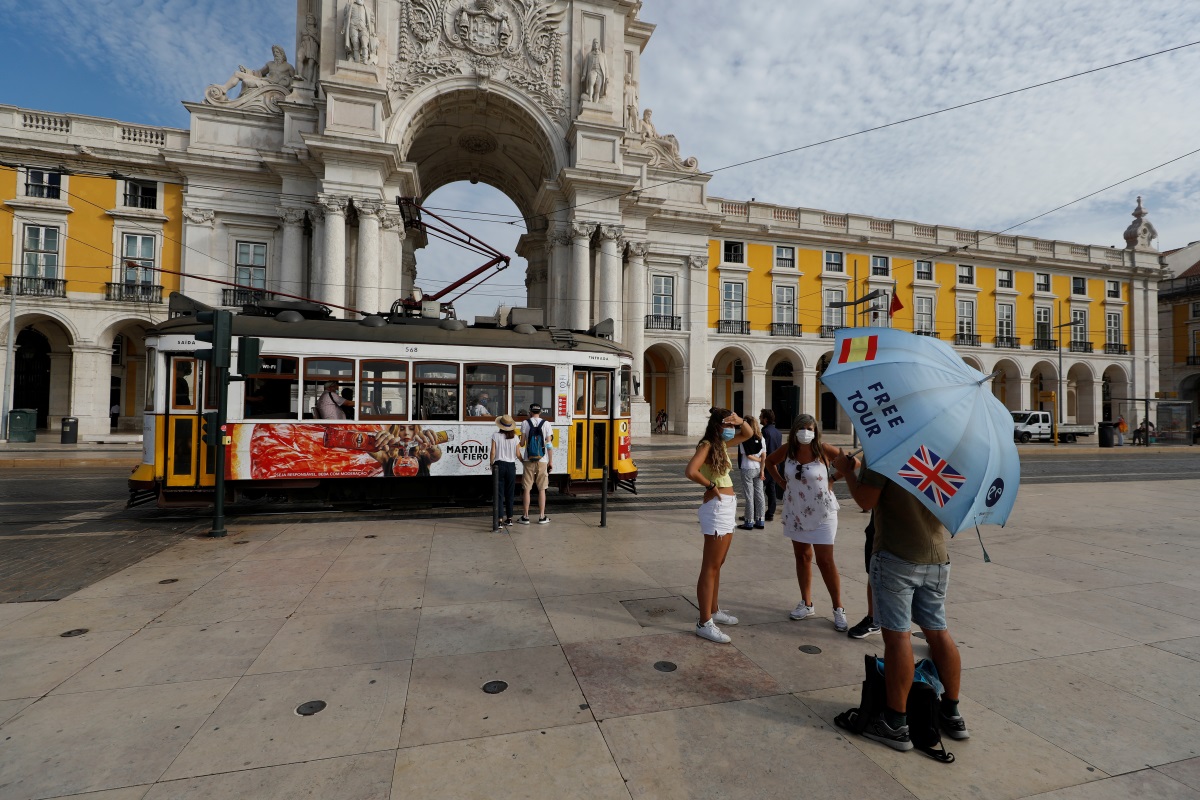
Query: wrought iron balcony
(787,329)
(135,200)
(967,339)
(46,190)
(244,297)
(133,292)
(1045,344)
(1114,349)
(1193,361)
(1011,342)
(1077,346)
(934,334)
(738,326)
(663,322)
(34,286)
(830,331)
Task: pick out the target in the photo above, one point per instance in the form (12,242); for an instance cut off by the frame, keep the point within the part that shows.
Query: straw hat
(505,423)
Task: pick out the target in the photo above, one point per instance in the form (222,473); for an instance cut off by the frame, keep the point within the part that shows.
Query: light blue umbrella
(929,422)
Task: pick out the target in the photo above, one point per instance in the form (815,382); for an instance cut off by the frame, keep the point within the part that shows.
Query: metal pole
(10,352)
(1059,395)
(854,430)
(218,527)
(604,499)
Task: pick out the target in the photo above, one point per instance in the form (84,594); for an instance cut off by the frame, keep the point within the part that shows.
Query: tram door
(591,423)
(189,462)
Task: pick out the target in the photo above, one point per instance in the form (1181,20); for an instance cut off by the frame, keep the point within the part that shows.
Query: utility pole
(10,353)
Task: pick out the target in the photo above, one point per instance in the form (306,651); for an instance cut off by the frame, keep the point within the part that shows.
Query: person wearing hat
(537,437)
(504,461)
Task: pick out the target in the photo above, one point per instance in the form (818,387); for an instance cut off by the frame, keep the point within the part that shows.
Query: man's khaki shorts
(535,473)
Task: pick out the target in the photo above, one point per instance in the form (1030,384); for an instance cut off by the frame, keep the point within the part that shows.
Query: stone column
(291,266)
(60,389)
(316,253)
(699,366)
(92,371)
(1024,393)
(752,389)
(532,248)
(331,286)
(609,292)
(634,335)
(409,268)
(197,258)
(138,363)
(392,255)
(579,295)
(558,245)
(370,275)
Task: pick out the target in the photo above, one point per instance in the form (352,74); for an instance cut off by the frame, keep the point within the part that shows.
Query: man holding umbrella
(910,571)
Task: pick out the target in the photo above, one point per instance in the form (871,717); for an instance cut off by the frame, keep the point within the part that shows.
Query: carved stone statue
(1141,232)
(595,73)
(358,28)
(647,127)
(262,89)
(663,149)
(632,123)
(309,58)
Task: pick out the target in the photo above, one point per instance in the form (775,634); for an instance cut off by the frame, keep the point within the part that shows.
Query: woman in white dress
(810,511)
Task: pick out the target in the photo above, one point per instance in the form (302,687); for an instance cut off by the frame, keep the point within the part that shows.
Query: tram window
(533,384)
(151,377)
(581,394)
(626,379)
(183,383)
(271,393)
(437,391)
(320,371)
(485,388)
(601,390)
(383,389)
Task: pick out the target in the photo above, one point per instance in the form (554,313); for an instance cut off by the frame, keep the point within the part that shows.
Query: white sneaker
(724,617)
(801,611)
(710,631)
(839,620)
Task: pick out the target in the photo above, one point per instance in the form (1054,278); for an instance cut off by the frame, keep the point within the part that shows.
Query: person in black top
(772,441)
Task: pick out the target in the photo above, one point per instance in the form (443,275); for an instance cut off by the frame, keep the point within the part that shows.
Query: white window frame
(1079,325)
(1038,313)
(1196,309)
(965,313)
(784,307)
(785,257)
(1078,282)
(966,271)
(26,182)
(1112,290)
(1005,316)
(920,314)
(917,271)
(733,298)
(40,253)
(1037,282)
(658,299)
(144,274)
(837,264)
(238,266)
(130,182)
(1113,330)
(881,267)
(879,316)
(725,248)
(835,317)
(1004,279)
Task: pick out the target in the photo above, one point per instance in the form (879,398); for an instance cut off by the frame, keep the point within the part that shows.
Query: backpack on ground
(535,446)
(924,706)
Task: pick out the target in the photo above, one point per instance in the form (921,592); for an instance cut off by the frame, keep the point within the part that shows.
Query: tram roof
(401,330)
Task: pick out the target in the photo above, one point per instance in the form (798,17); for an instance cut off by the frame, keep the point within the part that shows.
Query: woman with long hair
(750,458)
(710,467)
(810,511)
(504,461)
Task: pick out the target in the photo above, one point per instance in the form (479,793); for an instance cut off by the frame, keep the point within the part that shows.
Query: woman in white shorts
(709,467)
(810,511)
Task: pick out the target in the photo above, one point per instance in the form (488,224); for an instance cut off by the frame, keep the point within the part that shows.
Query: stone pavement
(1080,641)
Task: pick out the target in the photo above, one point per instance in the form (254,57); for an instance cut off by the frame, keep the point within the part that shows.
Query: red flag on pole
(895,306)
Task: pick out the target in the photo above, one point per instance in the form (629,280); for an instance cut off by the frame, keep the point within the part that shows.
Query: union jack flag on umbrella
(928,421)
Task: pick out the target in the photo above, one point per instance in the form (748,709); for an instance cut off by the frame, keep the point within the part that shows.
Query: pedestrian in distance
(1122,429)
(710,467)
(537,445)
(772,440)
(750,456)
(910,573)
(504,462)
(810,512)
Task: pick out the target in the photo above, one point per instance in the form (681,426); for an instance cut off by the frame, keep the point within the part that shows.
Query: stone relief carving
(581,230)
(333,204)
(595,73)
(308,60)
(637,249)
(291,216)
(392,221)
(663,149)
(262,89)
(199,216)
(358,32)
(1141,232)
(611,232)
(512,41)
(697,262)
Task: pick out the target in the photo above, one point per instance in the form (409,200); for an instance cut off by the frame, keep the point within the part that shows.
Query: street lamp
(1058,341)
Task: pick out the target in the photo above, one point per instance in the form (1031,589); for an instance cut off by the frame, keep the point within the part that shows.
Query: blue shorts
(905,593)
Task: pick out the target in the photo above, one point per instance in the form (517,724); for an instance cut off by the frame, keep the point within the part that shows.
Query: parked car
(1039,425)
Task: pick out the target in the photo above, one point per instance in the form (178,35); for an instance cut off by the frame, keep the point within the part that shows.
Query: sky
(744,80)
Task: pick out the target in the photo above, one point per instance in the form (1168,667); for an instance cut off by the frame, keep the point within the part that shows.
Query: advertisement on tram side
(276,450)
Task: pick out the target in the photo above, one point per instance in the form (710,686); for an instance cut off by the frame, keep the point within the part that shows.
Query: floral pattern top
(808,500)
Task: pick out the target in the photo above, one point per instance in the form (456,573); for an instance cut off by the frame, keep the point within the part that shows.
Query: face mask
(804,436)
(728,433)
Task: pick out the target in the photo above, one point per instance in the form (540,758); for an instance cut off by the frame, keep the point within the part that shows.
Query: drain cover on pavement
(495,687)
(665,666)
(811,649)
(310,708)
(73,632)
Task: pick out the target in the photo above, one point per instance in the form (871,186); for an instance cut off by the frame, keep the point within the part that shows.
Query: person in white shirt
(480,407)
(537,437)
(329,404)
(504,461)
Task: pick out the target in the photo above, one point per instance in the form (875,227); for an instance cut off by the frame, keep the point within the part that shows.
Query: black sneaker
(863,629)
(523,520)
(955,727)
(895,738)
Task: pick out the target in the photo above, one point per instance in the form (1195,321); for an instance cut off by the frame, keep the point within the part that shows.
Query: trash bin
(22,425)
(70,430)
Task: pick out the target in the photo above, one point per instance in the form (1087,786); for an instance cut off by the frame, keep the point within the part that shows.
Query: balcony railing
(1114,349)
(244,297)
(133,292)
(932,333)
(738,326)
(1011,342)
(830,331)
(967,339)
(47,190)
(1045,344)
(1193,361)
(141,201)
(1176,287)
(1077,346)
(787,329)
(35,287)
(663,322)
